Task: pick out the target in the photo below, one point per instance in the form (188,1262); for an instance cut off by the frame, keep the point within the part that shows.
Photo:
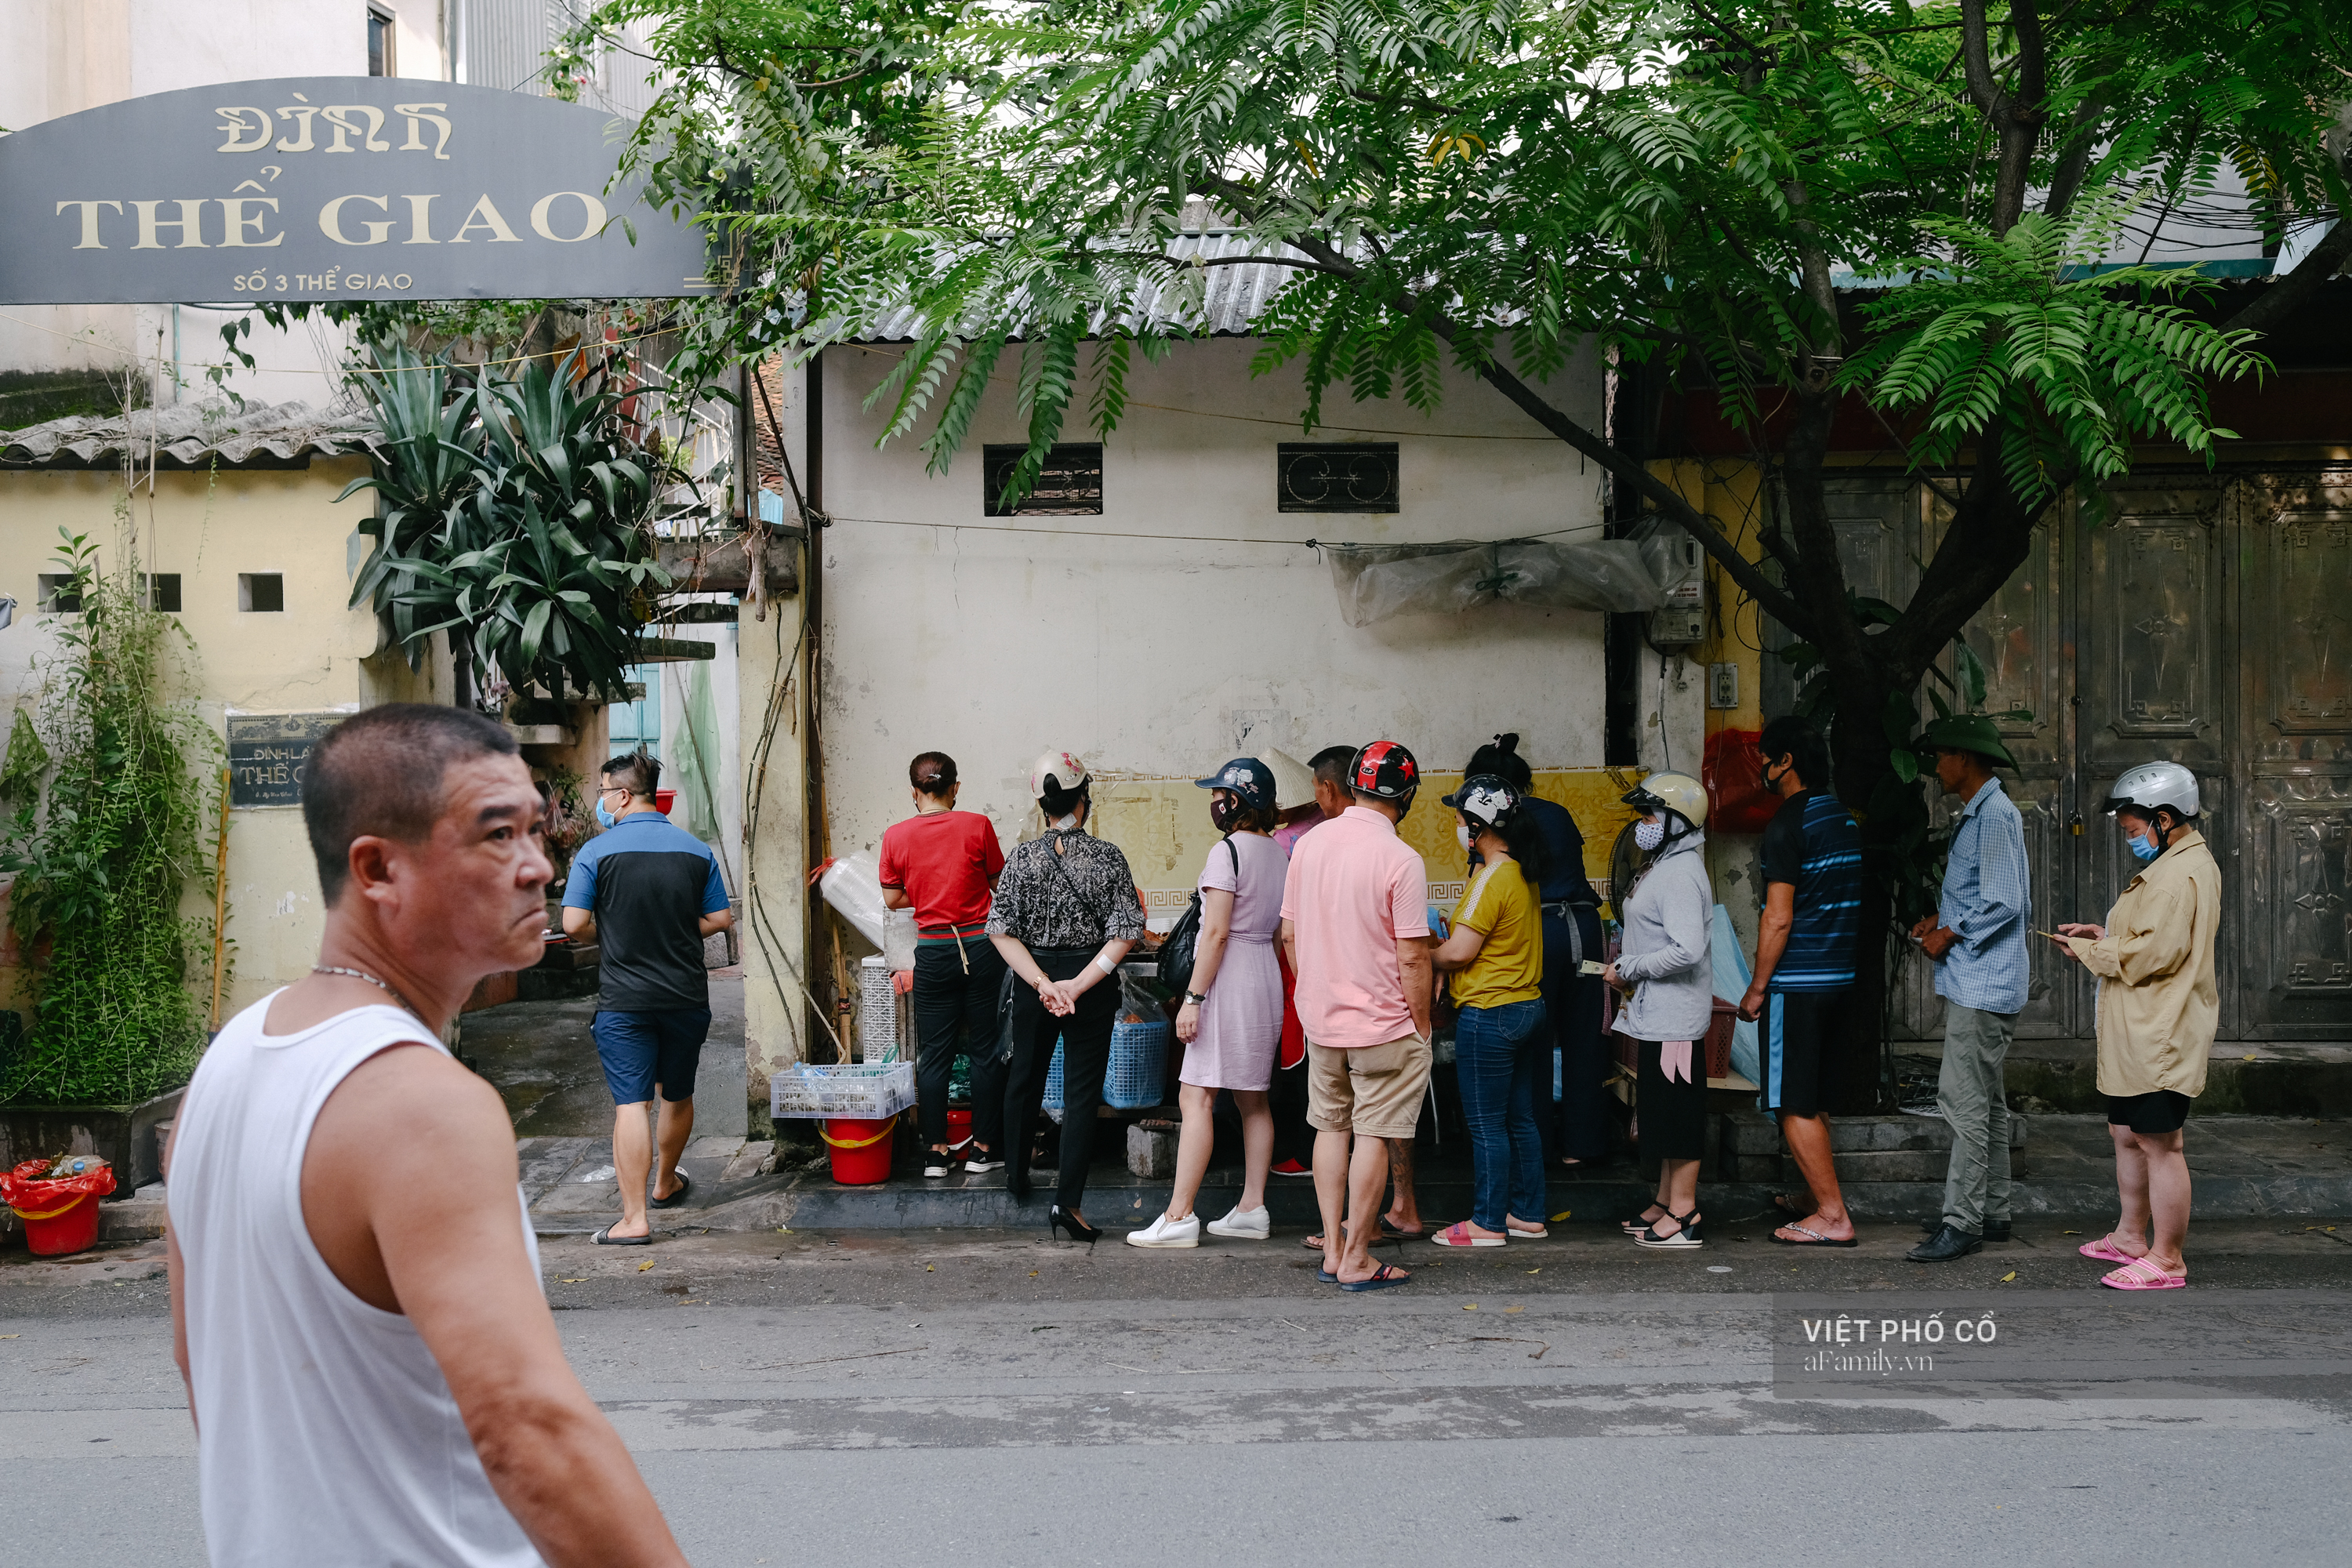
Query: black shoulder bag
(1181,945)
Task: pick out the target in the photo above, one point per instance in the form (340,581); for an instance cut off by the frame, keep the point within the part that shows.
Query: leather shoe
(1997,1230)
(1947,1244)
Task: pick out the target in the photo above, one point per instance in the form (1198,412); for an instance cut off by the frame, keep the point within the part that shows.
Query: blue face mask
(603,817)
(2143,849)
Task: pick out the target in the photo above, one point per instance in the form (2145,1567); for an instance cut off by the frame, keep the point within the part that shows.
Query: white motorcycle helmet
(2151,784)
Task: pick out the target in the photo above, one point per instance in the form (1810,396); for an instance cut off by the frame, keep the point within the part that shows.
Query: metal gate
(2207,620)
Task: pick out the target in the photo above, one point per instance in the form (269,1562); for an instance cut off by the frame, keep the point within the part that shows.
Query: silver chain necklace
(363,975)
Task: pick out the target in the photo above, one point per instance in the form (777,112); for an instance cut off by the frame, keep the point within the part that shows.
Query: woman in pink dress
(1231,1025)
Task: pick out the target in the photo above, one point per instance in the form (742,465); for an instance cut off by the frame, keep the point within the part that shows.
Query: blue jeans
(1500,1054)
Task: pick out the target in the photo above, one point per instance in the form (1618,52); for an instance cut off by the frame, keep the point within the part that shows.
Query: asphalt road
(987,1399)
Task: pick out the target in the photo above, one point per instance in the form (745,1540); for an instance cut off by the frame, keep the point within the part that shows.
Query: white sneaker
(1244,1225)
(1166,1231)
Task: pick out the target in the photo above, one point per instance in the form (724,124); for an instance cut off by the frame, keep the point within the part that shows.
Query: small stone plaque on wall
(267,753)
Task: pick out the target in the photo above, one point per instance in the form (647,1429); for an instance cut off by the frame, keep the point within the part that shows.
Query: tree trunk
(1864,776)
(461,670)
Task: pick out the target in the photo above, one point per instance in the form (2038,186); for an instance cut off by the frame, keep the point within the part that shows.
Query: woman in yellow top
(1494,955)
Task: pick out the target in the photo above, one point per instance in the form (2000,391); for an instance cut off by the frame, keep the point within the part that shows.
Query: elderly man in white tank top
(355,1295)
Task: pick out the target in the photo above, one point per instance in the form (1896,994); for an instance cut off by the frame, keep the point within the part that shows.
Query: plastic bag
(34,1193)
(1376,583)
(852,884)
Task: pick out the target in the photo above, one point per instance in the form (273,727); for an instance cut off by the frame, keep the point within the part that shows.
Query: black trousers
(1573,1003)
(1673,1110)
(956,1010)
(1086,1057)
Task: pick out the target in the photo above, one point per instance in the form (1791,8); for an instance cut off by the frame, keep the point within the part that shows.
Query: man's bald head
(380,774)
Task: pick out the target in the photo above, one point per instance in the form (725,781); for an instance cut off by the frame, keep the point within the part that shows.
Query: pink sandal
(2105,1250)
(2139,1274)
(1459,1233)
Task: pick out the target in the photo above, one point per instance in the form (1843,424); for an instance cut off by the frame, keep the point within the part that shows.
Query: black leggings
(1086,1057)
(955,1010)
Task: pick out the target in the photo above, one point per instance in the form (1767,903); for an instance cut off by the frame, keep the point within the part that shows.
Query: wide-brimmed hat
(1293,780)
(1965,732)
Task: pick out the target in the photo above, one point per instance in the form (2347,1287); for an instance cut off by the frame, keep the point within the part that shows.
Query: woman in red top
(942,863)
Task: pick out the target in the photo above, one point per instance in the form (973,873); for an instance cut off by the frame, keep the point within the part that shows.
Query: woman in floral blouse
(1066,913)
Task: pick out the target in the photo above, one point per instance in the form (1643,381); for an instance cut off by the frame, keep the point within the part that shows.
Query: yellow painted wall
(1730,491)
(317,654)
(1162,827)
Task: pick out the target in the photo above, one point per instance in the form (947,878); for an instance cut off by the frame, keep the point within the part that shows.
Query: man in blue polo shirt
(1805,949)
(648,893)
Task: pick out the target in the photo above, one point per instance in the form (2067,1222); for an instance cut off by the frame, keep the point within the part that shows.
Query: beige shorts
(1373,1089)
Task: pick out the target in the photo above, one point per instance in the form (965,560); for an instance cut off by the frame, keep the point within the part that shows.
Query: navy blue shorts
(642,1049)
(1802,1049)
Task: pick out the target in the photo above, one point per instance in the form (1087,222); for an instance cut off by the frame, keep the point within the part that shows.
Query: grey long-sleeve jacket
(1669,918)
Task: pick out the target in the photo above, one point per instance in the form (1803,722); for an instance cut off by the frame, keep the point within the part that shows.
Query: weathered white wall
(1153,656)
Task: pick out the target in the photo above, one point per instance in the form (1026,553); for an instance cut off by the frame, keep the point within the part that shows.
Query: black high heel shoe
(1056,1220)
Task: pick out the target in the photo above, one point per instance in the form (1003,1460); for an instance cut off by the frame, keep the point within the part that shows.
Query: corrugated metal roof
(1220,300)
(194,435)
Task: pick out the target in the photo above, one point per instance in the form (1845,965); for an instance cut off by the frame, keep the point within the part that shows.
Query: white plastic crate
(806,1091)
(882,1016)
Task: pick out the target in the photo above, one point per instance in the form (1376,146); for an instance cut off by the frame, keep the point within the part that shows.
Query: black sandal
(1685,1233)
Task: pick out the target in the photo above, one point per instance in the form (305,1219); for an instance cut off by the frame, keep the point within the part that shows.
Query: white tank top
(326,1433)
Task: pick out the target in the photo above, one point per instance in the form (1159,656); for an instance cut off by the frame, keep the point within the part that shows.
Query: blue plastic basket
(1137,1076)
(1139,1064)
(1052,1101)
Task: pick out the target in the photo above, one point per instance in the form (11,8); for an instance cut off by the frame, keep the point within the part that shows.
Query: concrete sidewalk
(2246,1167)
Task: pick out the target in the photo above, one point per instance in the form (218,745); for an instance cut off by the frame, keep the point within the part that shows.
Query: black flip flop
(605,1238)
(1818,1238)
(1387,1276)
(684,1187)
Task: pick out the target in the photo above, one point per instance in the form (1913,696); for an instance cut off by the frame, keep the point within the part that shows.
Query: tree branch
(1775,600)
(2284,296)
(2081,140)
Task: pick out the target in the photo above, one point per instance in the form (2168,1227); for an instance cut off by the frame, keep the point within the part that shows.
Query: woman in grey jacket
(1665,968)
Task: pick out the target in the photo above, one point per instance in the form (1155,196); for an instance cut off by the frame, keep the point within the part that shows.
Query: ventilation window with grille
(1071,484)
(1348,476)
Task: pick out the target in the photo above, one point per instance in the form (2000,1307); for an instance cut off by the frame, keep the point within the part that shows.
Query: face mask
(1648,834)
(1462,832)
(603,817)
(1225,814)
(2143,849)
(1772,780)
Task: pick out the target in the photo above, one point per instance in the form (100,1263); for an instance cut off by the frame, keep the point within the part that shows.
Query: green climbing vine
(111,775)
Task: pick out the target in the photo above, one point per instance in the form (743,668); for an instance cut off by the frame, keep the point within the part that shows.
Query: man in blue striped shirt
(1977,940)
(1806,946)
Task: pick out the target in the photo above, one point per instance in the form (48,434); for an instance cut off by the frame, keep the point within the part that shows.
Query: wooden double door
(2207,620)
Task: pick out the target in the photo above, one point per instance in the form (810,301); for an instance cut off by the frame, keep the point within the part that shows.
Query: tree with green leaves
(1927,213)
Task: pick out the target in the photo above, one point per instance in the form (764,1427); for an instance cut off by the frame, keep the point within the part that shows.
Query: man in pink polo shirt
(1354,924)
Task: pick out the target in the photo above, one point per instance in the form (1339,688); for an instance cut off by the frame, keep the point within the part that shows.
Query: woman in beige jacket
(2158,1005)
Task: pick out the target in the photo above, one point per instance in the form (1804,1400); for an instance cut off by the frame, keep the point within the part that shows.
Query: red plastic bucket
(861,1149)
(72,1227)
(663,799)
(959,1127)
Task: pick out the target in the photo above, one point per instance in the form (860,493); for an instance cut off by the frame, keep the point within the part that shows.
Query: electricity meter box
(1682,619)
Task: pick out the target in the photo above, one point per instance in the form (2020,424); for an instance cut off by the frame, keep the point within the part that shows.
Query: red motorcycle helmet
(1385,770)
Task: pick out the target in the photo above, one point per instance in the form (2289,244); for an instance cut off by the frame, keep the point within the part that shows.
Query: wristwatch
(1195,998)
